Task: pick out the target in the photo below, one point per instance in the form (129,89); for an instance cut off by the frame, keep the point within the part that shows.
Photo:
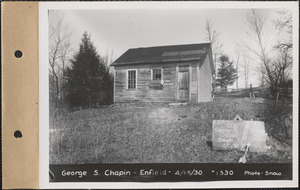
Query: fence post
(251,94)
(277,95)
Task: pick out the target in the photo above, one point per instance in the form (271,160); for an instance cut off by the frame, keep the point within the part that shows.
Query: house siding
(200,83)
(194,82)
(205,86)
(143,93)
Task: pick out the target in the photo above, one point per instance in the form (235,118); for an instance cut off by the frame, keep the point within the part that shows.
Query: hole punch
(18,54)
(18,134)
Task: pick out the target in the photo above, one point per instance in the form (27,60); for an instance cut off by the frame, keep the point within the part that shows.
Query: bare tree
(261,76)
(237,62)
(272,71)
(284,23)
(255,23)
(246,67)
(281,66)
(109,58)
(59,49)
(212,36)
(284,47)
(64,60)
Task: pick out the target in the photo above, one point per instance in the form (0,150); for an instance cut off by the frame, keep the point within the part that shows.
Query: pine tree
(226,73)
(89,82)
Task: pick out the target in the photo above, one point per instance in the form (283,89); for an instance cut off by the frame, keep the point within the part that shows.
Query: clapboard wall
(143,93)
(205,81)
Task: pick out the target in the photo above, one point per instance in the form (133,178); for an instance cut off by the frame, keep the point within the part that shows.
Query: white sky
(119,29)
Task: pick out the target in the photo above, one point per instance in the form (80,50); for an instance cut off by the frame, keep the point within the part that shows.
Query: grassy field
(159,133)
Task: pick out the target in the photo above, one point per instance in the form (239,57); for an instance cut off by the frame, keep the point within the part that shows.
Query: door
(183,79)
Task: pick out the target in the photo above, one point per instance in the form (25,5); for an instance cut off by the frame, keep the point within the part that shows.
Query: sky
(118,30)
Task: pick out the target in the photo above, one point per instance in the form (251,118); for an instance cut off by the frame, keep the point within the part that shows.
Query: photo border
(44,92)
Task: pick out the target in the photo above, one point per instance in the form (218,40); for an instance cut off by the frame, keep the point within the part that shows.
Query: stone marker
(236,134)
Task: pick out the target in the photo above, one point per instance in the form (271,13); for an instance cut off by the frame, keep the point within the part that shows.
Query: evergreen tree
(89,82)
(226,73)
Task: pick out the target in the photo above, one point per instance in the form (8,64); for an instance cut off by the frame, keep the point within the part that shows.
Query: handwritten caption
(153,172)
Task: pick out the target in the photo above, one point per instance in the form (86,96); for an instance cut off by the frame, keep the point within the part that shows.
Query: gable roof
(163,54)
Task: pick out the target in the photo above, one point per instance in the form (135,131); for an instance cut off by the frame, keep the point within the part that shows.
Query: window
(131,79)
(156,74)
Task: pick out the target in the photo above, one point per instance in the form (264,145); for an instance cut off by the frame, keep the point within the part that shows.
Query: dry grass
(158,133)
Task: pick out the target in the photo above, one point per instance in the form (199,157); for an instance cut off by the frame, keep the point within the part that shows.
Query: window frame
(127,79)
(161,72)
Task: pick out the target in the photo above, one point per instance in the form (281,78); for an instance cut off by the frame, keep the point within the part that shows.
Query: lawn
(159,133)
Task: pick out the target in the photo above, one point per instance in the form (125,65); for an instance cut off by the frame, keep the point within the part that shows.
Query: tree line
(272,59)
(82,78)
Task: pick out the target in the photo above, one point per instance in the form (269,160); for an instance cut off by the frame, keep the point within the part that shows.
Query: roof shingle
(163,54)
